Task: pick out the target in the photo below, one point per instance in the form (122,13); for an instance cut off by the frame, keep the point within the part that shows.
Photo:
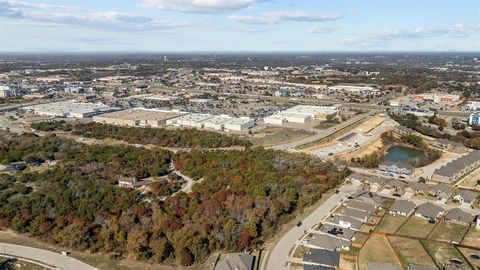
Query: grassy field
(410,251)
(275,136)
(467,253)
(448,231)
(390,223)
(442,253)
(347,263)
(472,238)
(416,227)
(376,249)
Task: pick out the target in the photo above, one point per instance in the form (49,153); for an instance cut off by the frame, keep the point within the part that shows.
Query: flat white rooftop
(70,107)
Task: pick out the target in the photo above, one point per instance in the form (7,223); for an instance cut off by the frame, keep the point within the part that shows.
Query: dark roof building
(322,257)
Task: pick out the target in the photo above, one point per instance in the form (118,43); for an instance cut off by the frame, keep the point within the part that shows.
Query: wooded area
(156,136)
(243,198)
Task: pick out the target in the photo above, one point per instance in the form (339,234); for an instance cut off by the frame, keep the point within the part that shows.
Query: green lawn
(442,253)
(448,231)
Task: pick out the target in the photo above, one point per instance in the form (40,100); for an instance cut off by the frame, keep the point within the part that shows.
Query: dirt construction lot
(390,223)
(410,251)
(376,249)
(416,227)
(448,231)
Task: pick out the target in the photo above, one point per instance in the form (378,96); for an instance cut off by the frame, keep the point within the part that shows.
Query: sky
(239,25)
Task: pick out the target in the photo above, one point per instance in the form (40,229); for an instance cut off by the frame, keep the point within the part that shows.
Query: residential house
(383,266)
(429,211)
(322,257)
(397,168)
(373,199)
(339,232)
(441,191)
(127,182)
(14,167)
(347,222)
(360,215)
(402,208)
(238,261)
(458,216)
(328,242)
(375,182)
(360,206)
(465,197)
(451,146)
(356,178)
(395,186)
(418,188)
(456,168)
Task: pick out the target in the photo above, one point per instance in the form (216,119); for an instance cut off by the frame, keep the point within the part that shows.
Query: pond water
(403,154)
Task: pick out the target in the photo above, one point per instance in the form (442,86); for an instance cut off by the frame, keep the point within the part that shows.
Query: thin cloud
(199,6)
(276,17)
(320,29)
(109,20)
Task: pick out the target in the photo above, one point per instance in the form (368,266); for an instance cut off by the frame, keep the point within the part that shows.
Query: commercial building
(219,122)
(70,109)
(74,90)
(366,90)
(11,91)
(301,114)
(399,168)
(473,106)
(138,117)
(441,98)
(474,119)
(416,112)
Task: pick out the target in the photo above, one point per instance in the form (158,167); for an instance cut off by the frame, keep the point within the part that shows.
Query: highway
(43,257)
(279,255)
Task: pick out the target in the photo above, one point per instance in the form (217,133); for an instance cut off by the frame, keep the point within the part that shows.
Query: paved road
(8,125)
(280,252)
(53,259)
(324,133)
(188,187)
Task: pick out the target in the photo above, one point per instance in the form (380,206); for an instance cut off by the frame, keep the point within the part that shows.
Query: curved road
(43,257)
(278,256)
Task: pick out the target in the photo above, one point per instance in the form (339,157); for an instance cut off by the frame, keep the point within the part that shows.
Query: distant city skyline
(239,25)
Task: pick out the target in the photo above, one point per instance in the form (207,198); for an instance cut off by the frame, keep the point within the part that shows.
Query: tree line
(182,138)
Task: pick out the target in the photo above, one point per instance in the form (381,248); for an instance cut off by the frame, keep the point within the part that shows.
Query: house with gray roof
(375,182)
(357,214)
(429,211)
(322,257)
(465,197)
(339,232)
(383,266)
(418,188)
(452,146)
(458,216)
(402,208)
(360,206)
(395,186)
(458,167)
(238,261)
(347,222)
(398,168)
(328,242)
(441,191)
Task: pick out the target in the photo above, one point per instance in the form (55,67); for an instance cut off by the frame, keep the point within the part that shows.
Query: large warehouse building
(301,114)
(71,109)
(137,117)
(219,122)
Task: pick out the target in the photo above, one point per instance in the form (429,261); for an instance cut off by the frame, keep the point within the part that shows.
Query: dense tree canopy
(243,198)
